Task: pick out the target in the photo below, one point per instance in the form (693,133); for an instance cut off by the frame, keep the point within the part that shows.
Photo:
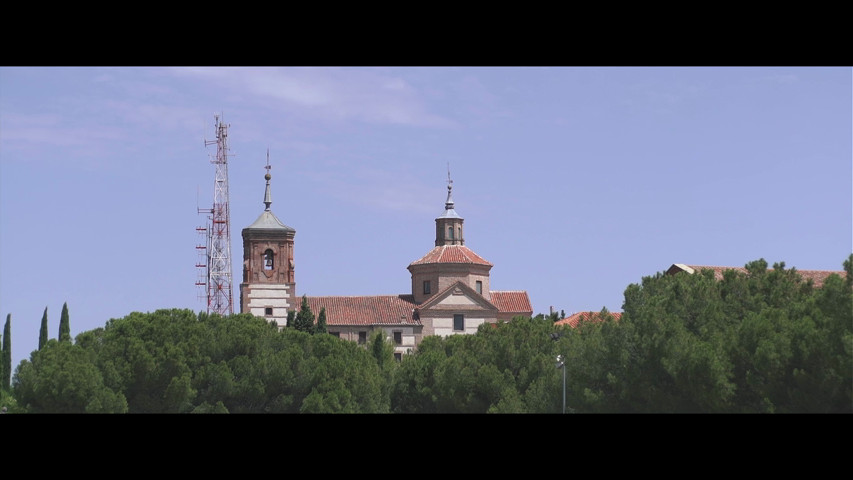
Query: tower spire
(448,227)
(448,205)
(267,194)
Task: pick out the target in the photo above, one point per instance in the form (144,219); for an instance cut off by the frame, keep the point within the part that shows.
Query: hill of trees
(765,341)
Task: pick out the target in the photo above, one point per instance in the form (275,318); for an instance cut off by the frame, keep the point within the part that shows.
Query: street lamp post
(561,363)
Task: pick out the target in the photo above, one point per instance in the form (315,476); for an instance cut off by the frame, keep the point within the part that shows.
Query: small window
(268,259)
(398,356)
(458,322)
(479,287)
(335,334)
(398,337)
(450,232)
(362,338)
(268,311)
(427,290)
(459,233)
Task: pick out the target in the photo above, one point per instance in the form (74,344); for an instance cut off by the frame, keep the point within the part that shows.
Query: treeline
(6,398)
(765,341)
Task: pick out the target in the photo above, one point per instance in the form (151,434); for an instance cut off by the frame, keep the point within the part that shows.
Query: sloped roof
(365,310)
(576,318)
(817,276)
(511,301)
(268,221)
(390,309)
(451,254)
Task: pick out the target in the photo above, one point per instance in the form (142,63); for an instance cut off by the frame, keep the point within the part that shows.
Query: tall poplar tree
(64,325)
(7,353)
(43,331)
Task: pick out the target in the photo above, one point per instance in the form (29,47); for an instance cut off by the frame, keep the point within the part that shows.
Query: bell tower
(269,284)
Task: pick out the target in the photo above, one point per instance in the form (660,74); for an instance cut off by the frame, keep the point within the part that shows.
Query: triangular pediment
(458,296)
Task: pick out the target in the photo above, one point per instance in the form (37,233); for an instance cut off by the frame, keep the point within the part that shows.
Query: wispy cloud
(23,131)
(362,94)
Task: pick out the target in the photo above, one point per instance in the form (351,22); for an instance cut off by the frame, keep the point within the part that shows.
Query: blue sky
(573,181)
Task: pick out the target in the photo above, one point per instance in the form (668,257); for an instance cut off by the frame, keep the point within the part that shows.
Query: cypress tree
(7,353)
(64,325)
(43,331)
(304,321)
(321,322)
(2,360)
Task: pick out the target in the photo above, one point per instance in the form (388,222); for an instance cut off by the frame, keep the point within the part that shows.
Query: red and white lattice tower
(215,257)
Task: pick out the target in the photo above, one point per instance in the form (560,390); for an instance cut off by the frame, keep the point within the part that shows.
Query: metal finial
(448,205)
(267,177)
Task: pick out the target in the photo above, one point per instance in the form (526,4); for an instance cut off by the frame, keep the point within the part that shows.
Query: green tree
(304,321)
(62,378)
(5,382)
(503,368)
(64,325)
(8,402)
(414,389)
(174,361)
(291,318)
(381,349)
(762,341)
(321,322)
(344,379)
(43,331)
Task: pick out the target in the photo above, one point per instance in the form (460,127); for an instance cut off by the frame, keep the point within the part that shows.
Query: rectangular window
(398,356)
(398,337)
(268,311)
(479,287)
(362,338)
(426,287)
(335,334)
(458,322)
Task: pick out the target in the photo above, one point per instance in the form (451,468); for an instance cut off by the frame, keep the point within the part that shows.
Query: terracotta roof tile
(365,310)
(511,301)
(576,318)
(451,254)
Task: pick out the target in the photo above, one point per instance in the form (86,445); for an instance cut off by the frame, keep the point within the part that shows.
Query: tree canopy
(174,361)
(760,341)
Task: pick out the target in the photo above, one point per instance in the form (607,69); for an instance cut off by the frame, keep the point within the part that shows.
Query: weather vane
(268,161)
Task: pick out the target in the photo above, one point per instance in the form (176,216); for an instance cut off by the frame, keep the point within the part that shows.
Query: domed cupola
(450,260)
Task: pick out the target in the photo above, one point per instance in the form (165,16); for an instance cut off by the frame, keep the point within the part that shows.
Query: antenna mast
(216,274)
